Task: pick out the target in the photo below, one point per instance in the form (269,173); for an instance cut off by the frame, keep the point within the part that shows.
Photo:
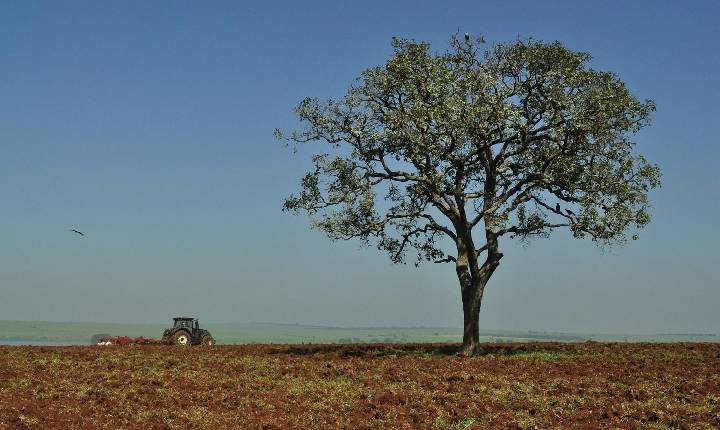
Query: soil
(380,386)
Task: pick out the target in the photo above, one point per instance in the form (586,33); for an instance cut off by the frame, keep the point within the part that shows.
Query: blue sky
(148,125)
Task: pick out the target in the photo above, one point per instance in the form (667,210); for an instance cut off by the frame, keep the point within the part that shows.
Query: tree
(471,145)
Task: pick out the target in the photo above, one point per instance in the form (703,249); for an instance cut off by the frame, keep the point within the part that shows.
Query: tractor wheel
(181,338)
(208,340)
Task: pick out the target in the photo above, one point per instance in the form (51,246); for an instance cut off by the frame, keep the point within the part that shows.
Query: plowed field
(514,386)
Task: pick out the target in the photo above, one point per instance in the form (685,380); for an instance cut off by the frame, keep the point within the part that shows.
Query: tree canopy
(445,153)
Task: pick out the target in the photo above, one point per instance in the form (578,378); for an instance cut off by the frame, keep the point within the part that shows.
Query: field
(383,386)
(243,333)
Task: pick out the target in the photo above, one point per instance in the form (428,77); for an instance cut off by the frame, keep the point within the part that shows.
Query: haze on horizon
(149,128)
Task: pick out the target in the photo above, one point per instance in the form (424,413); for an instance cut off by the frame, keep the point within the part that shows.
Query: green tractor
(186,331)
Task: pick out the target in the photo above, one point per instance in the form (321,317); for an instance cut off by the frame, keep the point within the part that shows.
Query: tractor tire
(208,340)
(181,338)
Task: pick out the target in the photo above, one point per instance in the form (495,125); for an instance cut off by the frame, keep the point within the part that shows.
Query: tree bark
(472,286)
(472,299)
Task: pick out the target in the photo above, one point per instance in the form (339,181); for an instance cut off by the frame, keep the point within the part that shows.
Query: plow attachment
(126,340)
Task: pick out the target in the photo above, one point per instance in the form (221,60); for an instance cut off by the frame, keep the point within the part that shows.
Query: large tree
(446,153)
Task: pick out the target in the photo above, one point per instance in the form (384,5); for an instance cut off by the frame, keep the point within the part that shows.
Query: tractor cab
(190,324)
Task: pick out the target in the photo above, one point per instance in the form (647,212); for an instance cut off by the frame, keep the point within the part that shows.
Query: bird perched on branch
(557,207)
(78,232)
(467,37)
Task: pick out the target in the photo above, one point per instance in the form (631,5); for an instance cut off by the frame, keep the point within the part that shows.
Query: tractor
(186,331)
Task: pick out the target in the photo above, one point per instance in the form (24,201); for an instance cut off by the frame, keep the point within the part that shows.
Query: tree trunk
(472,299)
(473,279)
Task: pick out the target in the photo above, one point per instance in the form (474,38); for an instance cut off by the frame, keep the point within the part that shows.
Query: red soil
(515,386)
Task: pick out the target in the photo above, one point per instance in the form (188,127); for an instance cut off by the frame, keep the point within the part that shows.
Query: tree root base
(472,350)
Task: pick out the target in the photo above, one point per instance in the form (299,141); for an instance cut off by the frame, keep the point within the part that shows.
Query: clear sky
(149,126)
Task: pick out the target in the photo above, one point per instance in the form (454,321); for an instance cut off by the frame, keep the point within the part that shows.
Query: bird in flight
(78,232)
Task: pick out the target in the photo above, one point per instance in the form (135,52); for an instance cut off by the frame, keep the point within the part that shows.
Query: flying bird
(78,232)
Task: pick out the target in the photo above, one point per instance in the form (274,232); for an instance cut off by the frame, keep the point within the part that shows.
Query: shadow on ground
(433,349)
